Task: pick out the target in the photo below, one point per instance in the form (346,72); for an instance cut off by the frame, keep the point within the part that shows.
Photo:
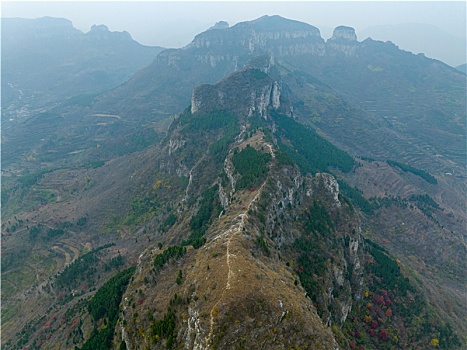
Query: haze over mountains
(260,187)
(46,60)
(422,38)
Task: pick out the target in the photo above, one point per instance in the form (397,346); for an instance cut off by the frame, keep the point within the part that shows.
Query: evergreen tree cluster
(252,166)
(80,270)
(313,255)
(105,304)
(215,119)
(387,271)
(356,196)
(407,168)
(174,252)
(165,329)
(209,206)
(311,152)
(216,122)
(424,200)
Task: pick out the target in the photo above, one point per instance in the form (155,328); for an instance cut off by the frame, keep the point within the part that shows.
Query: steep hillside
(412,105)
(240,238)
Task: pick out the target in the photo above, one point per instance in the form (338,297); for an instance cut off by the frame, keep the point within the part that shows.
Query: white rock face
(353,246)
(195,103)
(345,309)
(223,197)
(269,95)
(175,144)
(347,50)
(343,40)
(331,185)
(182,170)
(345,33)
(194,339)
(338,275)
(276,94)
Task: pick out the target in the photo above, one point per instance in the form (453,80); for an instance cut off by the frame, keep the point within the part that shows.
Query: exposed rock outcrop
(220,25)
(261,92)
(343,41)
(344,33)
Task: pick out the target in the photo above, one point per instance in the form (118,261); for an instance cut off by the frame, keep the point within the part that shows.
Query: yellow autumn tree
(434,342)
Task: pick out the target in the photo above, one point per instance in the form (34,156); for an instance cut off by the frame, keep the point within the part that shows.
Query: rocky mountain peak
(246,92)
(27,31)
(343,41)
(102,32)
(51,22)
(344,33)
(99,28)
(220,25)
(273,34)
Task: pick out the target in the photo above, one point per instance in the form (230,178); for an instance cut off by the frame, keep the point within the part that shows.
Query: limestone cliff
(343,40)
(249,92)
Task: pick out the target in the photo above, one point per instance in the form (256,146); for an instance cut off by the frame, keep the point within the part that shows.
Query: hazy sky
(174,23)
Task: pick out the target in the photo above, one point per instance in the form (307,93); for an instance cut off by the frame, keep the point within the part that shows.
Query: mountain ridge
(241,177)
(47,60)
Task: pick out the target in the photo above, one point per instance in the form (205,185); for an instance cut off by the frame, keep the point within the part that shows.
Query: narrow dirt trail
(190,179)
(235,229)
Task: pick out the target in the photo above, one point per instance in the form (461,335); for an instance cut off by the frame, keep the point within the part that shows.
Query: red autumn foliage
(374,325)
(383,334)
(378,299)
(388,312)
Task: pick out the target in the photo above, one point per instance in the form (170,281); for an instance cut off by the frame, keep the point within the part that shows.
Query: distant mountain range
(422,38)
(46,60)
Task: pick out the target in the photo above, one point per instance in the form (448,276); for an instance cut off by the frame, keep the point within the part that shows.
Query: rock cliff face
(258,93)
(343,40)
(345,273)
(266,34)
(102,32)
(216,53)
(344,33)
